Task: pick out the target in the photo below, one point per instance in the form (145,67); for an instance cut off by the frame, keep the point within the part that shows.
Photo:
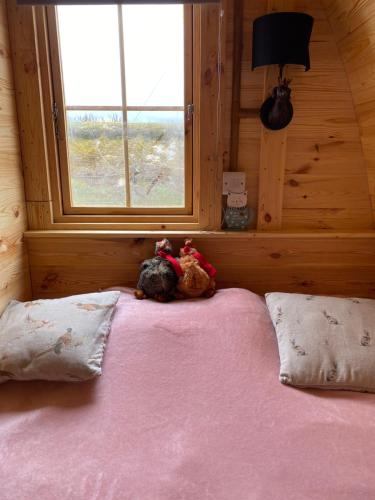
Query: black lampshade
(282,38)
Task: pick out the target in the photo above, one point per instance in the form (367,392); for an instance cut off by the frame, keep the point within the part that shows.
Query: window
(123,107)
(66,136)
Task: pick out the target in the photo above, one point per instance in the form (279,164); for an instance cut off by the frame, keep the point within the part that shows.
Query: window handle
(55,114)
(189,114)
(189,111)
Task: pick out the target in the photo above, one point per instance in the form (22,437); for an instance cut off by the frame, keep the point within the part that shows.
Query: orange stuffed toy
(197,279)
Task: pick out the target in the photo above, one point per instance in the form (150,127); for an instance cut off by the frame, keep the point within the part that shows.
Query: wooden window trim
(57,83)
(31,64)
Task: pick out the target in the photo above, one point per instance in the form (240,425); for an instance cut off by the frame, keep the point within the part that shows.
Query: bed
(189,407)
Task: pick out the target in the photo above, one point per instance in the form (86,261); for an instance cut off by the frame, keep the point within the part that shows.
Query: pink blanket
(189,407)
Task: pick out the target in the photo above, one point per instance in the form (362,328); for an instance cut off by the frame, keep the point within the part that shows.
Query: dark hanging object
(281,38)
(277,111)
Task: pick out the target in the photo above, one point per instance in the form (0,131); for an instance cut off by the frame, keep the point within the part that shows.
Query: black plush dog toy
(158,278)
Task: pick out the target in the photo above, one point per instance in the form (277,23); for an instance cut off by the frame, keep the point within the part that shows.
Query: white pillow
(325,342)
(60,339)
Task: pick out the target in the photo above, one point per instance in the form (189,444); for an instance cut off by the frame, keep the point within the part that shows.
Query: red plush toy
(197,277)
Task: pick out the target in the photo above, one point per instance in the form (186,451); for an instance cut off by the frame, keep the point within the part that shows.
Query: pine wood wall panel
(325,185)
(212,91)
(14,272)
(29,102)
(273,150)
(341,265)
(226,80)
(252,92)
(325,189)
(353,23)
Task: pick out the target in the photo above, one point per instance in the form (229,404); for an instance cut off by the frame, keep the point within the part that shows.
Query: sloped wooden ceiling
(326,183)
(14,272)
(353,25)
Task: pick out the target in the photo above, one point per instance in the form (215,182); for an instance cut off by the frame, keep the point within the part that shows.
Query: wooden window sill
(120,234)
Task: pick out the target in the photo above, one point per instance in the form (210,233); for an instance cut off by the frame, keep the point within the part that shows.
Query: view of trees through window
(123,78)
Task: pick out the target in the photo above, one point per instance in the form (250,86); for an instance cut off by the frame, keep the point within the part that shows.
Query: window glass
(96,158)
(123,73)
(90,55)
(156,158)
(154,55)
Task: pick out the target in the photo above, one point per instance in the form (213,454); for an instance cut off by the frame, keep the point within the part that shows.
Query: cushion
(60,339)
(325,342)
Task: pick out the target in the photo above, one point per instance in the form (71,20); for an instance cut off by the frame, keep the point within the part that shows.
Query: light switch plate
(234,182)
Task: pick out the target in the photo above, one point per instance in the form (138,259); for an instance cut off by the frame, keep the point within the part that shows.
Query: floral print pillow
(325,342)
(60,339)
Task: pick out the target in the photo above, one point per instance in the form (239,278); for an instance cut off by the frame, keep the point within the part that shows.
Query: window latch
(55,114)
(189,112)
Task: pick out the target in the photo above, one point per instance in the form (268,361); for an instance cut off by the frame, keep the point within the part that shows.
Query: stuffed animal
(197,278)
(158,278)
(164,277)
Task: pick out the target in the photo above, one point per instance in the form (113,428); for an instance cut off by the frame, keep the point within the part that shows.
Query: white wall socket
(234,182)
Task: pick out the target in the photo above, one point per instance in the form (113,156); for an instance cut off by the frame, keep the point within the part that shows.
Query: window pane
(89,45)
(141,163)
(154,54)
(96,158)
(156,158)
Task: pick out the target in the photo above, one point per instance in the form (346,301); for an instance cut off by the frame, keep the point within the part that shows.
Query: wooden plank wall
(14,272)
(325,238)
(325,185)
(353,25)
(306,263)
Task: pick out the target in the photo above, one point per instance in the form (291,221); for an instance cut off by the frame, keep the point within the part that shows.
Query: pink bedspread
(189,407)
